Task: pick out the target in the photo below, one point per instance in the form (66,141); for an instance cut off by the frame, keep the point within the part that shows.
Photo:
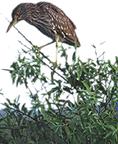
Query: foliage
(54,117)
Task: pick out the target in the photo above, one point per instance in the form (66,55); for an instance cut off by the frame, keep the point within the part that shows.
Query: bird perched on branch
(49,19)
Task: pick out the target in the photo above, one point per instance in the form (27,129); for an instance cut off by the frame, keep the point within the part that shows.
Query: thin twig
(34,45)
(39,52)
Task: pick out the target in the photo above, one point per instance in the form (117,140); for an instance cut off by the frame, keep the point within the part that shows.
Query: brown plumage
(49,19)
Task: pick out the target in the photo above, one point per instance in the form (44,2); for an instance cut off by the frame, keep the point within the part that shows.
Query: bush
(90,119)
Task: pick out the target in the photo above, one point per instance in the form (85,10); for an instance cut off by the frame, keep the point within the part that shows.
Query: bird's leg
(57,45)
(46,45)
(37,49)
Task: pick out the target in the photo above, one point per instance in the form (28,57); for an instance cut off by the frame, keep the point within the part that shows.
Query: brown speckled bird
(49,19)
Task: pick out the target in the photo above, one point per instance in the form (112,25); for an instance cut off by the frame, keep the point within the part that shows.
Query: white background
(96,22)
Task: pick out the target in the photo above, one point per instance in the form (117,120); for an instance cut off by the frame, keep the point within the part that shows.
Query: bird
(48,19)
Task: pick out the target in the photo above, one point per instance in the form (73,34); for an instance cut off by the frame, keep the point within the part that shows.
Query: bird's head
(18,14)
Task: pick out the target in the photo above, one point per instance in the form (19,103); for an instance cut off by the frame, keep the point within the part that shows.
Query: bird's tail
(77,42)
(72,40)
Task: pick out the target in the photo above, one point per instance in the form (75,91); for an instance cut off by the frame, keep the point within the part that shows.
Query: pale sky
(96,22)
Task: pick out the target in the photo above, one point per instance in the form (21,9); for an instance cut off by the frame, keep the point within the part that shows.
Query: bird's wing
(61,23)
(58,22)
(53,10)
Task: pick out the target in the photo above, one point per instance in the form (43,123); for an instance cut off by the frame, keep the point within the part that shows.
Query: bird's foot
(55,65)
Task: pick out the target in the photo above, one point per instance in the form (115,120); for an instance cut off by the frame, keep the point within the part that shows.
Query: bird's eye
(18,16)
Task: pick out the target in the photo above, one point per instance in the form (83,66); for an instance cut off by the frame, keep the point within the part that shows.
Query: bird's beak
(12,23)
